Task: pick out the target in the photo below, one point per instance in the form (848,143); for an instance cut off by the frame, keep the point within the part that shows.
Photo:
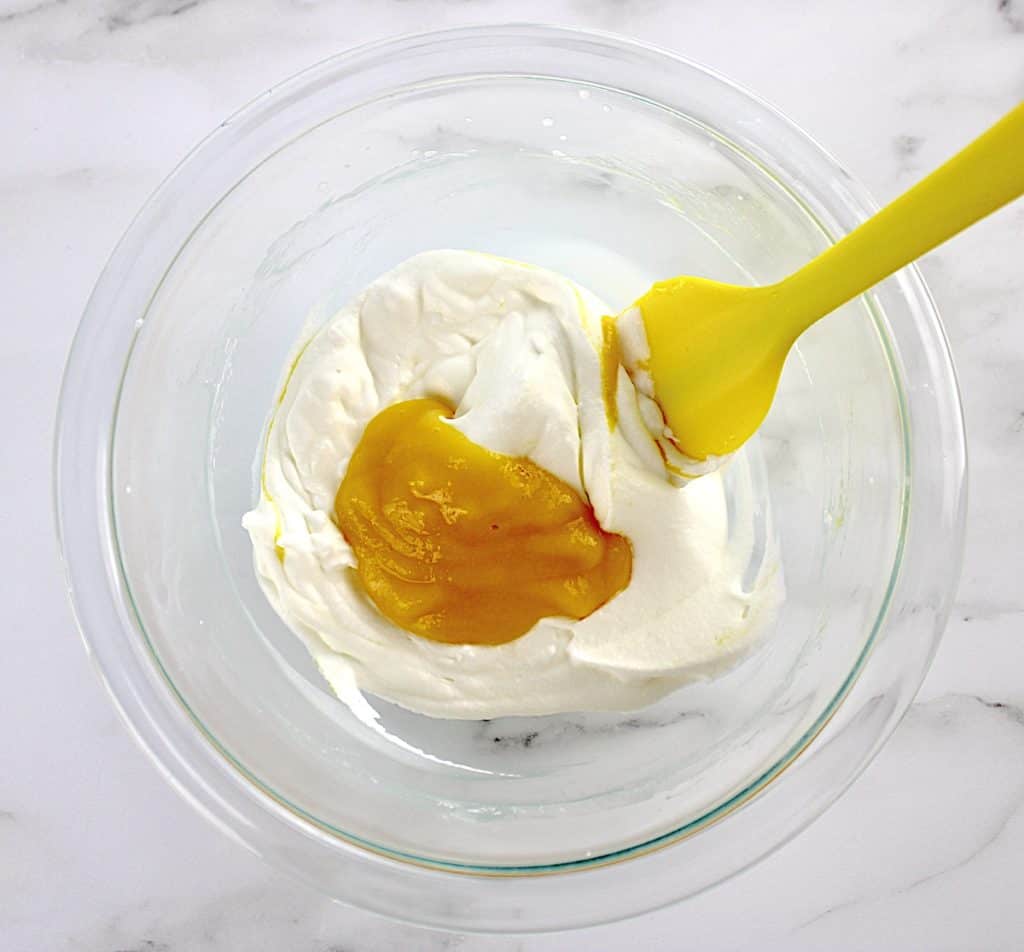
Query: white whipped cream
(516,350)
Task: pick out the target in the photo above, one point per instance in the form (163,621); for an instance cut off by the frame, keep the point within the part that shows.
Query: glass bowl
(616,164)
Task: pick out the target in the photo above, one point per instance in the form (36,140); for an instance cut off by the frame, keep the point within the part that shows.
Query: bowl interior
(614,190)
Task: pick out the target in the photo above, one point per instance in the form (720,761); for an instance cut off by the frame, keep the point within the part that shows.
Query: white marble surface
(98,100)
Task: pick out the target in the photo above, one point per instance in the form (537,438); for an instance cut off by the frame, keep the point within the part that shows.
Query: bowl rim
(102,603)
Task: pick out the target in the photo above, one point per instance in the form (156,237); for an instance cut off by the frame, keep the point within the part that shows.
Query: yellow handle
(974,183)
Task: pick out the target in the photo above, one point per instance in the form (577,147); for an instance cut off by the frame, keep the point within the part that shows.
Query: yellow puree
(461,545)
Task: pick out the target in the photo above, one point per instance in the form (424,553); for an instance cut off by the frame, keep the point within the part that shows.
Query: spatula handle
(981,178)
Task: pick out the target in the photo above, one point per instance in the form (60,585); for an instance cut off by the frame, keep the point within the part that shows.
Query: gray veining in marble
(100,99)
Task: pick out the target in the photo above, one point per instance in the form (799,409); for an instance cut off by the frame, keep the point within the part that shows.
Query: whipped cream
(516,350)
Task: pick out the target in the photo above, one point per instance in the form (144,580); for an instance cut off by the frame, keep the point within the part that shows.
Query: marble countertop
(100,99)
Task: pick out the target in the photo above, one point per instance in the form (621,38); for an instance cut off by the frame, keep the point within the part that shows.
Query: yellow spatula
(716,350)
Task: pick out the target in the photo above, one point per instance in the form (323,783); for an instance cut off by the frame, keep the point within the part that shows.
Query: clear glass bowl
(614,163)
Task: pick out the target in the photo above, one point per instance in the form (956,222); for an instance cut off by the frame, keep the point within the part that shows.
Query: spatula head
(715,355)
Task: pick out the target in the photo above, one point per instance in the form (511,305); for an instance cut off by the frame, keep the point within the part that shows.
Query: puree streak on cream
(516,350)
